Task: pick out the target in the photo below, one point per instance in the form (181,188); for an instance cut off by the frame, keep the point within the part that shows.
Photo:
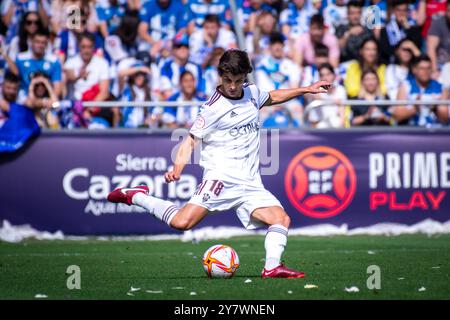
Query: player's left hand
(320,87)
(171,176)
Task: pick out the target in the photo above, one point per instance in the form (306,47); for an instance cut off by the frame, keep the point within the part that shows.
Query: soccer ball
(220,261)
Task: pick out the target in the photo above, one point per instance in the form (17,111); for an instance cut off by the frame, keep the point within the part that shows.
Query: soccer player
(227,127)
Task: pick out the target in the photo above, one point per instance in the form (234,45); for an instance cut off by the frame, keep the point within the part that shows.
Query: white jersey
(229,130)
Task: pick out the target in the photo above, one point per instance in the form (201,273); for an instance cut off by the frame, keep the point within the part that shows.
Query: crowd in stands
(61,52)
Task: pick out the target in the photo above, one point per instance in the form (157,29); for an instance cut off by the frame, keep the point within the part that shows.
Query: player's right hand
(171,176)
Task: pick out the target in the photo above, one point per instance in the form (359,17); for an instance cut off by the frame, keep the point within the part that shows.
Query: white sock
(275,242)
(161,209)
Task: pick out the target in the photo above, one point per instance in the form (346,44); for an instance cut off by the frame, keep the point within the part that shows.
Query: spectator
(257,42)
(70,15)
(398,28)
(248,10)
(274,71)
(368,59)
(295,19)
(421,88)
(137,90)
(29,24)
(333,115)
(89,75)
(161,20)
(184,117)
(36,60)
(370,91)
(438,41)
(350,35)
(427,11)
(123,42)
(304,51)
(202,42)
(110,13)
(17,123)
(40,99)
(13,11)
(445,79)
(211,75)
(280,118)
(199,9)
(174,67)
(399,71)
(311,72)
(10,90)
(66,43)
(375,15)
(335,14)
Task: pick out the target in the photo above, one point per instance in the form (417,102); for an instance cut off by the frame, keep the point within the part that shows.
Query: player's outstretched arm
(182,158)
(284,95)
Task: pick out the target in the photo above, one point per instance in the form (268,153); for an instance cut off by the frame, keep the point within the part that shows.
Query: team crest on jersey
(254,102)
(200,122)
(206,197)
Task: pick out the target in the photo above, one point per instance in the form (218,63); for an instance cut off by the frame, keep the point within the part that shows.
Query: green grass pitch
(173,270)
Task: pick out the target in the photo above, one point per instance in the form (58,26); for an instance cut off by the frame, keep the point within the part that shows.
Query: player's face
(232,84)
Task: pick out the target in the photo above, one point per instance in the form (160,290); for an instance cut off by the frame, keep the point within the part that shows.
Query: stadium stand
(137,50)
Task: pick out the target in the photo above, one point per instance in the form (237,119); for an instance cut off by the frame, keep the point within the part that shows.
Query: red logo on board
(320,182)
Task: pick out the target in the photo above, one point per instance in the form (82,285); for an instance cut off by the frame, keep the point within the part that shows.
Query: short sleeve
(206,121)
(260,95)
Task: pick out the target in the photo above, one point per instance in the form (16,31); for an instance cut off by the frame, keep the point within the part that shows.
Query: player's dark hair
(214,18)
(321,50)
(235,62)
(276,37)
(416,60)
(317,20)
(11,77)
(87,35)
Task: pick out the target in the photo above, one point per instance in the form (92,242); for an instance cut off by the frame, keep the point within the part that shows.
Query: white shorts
(216,195)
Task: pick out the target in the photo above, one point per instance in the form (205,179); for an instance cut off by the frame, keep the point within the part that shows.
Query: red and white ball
(220,261)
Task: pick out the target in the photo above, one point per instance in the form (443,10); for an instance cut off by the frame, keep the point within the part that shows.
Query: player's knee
(181,224)
(285,221)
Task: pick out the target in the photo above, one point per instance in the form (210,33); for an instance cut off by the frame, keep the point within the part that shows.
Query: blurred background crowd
(66,52)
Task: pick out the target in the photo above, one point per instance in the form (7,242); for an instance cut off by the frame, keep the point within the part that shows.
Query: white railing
(365,103)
